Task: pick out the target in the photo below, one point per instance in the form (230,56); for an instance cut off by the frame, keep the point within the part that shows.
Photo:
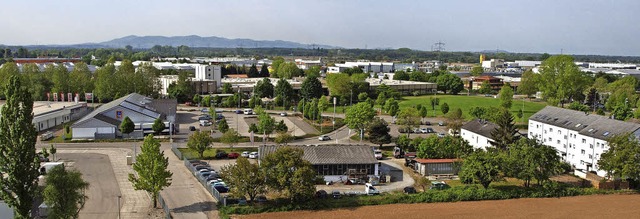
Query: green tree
(482,167)
(264,88)
(126,126)
(622,160)
(281,127)
(19,164)
(575,105)
(485,88)
(264,71)
(283,138)
(392,107)
(323,103)
(226,88)
(622,112)
(339,85)
(266,123)
(504,134)
(444,108)
(199,142)
(528,85)
(196,99)
(311,88)
(151,169)
(289,70)
(223,126)
(64,192)
(450,82)
(478,112)
(359,115)
(506,96)
(408,119)
(378,131)
(253,71)
(53,151)
(455,120)
(560,79)
(423,113)
(529,159)
(313,71)
(253,128)
(284,93)
(476,70)
(230,137)
(363,96)
(286,171)
(622,92)
(401,75)
(158,126)
(247,178)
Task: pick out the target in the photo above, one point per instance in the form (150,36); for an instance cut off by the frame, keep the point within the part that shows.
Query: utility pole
(334,119)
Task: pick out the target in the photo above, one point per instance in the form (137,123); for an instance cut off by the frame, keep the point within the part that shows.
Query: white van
(248,111)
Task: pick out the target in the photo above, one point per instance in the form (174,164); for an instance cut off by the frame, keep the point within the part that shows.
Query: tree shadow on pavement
(196,207)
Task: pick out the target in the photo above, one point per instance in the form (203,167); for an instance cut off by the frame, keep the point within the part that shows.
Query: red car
(233,155)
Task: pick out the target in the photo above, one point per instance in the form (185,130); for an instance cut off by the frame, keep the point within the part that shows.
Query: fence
(209,189)
(167,211)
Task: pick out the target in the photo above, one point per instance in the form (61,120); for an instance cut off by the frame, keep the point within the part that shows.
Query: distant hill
(494,51)
(145,42)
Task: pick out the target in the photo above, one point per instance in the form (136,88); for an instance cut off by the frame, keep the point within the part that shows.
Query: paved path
(186,197)
(134,204)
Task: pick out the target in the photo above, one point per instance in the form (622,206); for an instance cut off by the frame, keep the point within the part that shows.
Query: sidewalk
(186,197)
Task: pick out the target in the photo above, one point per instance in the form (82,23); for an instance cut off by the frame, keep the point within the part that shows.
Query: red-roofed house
(431,167)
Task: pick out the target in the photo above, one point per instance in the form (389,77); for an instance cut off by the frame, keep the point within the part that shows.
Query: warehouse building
(104,122)
(47,114)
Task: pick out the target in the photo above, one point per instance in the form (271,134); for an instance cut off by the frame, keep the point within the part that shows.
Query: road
(103,189)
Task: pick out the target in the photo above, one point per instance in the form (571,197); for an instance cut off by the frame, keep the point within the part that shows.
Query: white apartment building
(478,133)
(208,72)
(579,138)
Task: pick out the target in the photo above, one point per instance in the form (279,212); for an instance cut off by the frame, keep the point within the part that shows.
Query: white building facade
(478,133)
(579,138)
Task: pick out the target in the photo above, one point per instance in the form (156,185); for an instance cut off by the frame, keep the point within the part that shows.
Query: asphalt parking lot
(103,189)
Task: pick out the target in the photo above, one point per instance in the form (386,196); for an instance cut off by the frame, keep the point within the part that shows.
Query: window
(591,146)
(531,133)
(545,131)
(560,132)
(582,151)
(584,140)
(558,141)
(550,139)
(590,156)
(565,146)
(551,129)
(565,137)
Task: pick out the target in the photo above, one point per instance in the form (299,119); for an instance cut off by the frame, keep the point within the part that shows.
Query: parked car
(200,167)
(204,117)
(409,190)
(192,128)
(205,123)
(324,138)
(242,201)
(221,189)
(424,130)
(239,111)
(205,110)
(378,154)
(441,123)
(245,154)
(430,130)
(441,135)
(415,130)
(283,114)
(261,199)
(321,194)
(336,194)
(439,185)
(427,123)
(221,155)
(253,155)
(248,111)
(219,116)
(233,155)
(42,158)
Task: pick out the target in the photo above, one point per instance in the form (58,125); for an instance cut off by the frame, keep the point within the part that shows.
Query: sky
(601,27)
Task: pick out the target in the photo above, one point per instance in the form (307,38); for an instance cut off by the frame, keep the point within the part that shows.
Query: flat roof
(44,107)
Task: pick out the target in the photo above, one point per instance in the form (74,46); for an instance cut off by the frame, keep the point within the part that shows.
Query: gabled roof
(596,126)
(135,102)
(436,160)
(480,127)
(329,154)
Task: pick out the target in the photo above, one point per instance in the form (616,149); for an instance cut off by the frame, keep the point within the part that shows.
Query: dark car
(219,116)
(239,112)
(42,158)
(222,155)
(430,130)
(409,190)
(322,194)
(221,188)
(427,123)
(233,155)
(261,199)
(336,194)
(192,128)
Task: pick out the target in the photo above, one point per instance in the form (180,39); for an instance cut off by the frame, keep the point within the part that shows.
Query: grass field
(466,102)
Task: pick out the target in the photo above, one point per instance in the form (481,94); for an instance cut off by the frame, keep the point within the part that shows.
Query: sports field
(466,102)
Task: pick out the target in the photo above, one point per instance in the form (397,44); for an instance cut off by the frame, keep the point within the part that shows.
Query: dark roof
(480,127)
(107,119)
(329,154)
(166,107)
(596,126)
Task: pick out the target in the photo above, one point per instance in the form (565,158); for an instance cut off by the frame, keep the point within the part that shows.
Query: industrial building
(47,114)
(104,122)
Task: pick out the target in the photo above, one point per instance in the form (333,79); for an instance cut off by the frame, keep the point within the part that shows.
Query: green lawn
(466,102)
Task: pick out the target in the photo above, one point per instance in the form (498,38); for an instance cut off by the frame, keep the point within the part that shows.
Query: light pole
(334,119)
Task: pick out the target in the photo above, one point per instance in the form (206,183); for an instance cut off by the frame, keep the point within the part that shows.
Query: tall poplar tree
(18,160)
(151,167)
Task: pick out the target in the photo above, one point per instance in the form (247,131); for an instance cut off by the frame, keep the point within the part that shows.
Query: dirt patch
(595,206)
